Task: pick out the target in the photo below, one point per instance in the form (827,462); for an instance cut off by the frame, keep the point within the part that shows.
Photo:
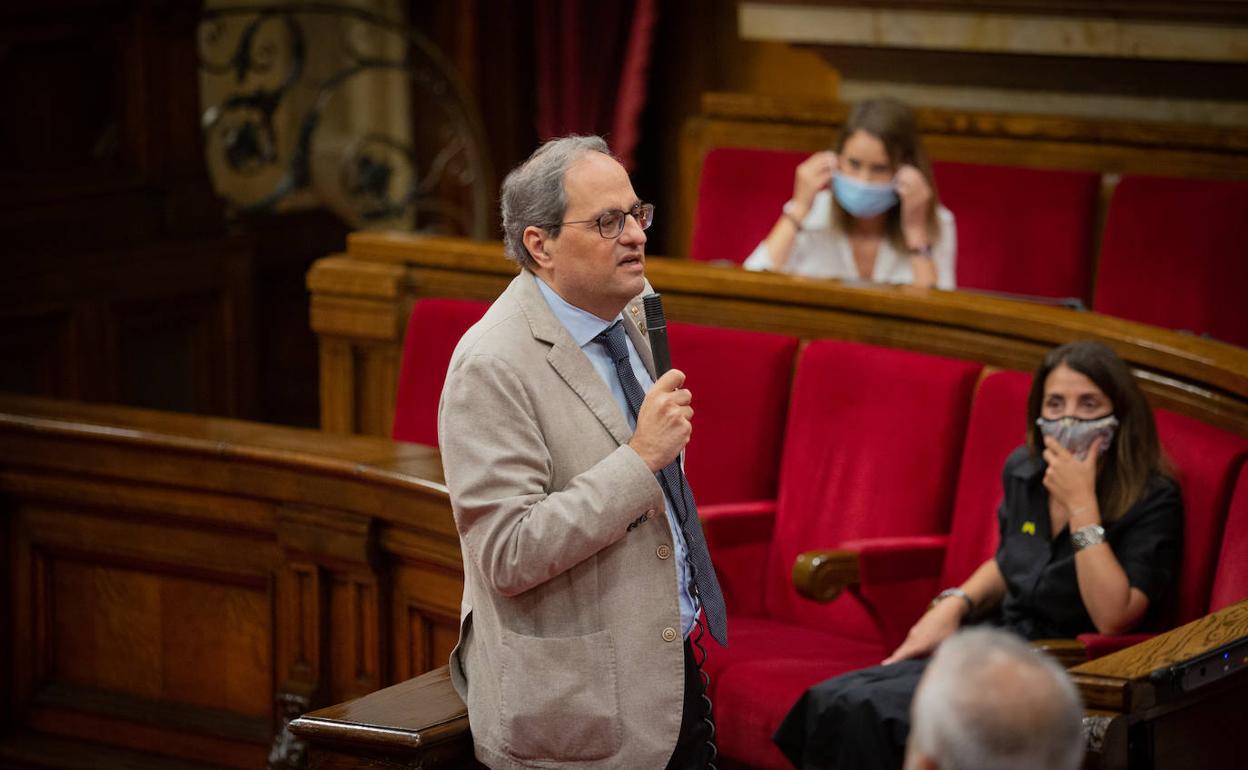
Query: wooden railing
(182,585)
(361,301)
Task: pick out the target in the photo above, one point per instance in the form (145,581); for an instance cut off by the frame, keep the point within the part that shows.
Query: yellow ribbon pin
(1029,527)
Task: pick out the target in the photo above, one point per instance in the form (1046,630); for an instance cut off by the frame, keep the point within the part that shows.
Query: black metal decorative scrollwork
(281,69)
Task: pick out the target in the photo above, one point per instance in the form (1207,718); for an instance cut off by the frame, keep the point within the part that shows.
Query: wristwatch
(1086,536)
(922,251)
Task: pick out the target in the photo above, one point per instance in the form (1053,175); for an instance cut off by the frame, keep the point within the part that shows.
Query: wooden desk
(1132,723)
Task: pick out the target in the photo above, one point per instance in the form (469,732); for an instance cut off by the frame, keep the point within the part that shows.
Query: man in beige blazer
(577,606)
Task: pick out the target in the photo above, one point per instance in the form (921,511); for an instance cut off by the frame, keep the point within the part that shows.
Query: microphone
(656,328)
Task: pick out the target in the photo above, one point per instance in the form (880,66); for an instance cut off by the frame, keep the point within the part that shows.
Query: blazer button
(669,634)
(663,552)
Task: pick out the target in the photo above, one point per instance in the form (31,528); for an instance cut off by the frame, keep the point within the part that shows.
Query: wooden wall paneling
(330,559)
(377,375)
(40,352)
(8,617)
(337,385)
(177,582)
(301,635)
(359,322)
(428,584)
(160,326)
(117,647)
(106,204)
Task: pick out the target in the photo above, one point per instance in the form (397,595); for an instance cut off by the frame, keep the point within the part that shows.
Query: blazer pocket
(560,699)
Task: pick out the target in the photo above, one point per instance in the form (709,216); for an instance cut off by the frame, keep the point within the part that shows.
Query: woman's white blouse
(821,252)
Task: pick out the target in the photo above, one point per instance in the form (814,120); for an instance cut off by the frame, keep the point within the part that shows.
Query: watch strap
(1084,537)
(958,592)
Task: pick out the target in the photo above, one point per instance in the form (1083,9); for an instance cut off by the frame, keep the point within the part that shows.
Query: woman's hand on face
(1071,481)
(915,194)
(813,174)
(936,625)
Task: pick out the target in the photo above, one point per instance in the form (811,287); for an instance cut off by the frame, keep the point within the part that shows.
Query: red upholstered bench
(1022,230)
(1175,254)
(739,199)
(433,331)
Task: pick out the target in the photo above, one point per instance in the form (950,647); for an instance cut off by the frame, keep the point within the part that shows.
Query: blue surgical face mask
(863,199)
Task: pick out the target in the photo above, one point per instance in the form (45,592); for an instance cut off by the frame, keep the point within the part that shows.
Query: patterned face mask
(1077,434)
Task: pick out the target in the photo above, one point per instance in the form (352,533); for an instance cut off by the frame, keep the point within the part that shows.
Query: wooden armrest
(423,721)
(822,575)
(1069,652)
(871,563)
(1120,681)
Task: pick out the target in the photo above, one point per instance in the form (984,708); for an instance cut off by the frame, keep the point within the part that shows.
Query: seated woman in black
(1091,535)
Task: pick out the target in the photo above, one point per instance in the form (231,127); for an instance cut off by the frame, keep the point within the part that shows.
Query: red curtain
(592,63)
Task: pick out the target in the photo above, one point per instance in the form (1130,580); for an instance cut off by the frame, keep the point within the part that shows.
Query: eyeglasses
(611,224)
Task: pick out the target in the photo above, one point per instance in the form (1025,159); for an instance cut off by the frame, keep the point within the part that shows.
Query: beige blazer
(570,652)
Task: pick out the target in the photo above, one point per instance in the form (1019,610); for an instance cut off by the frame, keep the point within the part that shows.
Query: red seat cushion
(1206,462)
(1175,254)
(740,383)
(872,448)
(752,699)
(1021,230)
(739,199)
(433,331)
(1230,584)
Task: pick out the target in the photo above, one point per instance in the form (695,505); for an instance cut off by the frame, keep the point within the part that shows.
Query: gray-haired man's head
(990,700)
(533,194)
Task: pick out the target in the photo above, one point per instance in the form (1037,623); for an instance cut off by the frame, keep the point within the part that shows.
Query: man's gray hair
(990,700)
(533,193)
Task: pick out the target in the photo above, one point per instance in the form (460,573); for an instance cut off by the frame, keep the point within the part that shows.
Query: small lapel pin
(637,317)
(1029,527)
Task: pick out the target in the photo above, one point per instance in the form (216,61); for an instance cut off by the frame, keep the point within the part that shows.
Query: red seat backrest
(1021,230)
(997,426)
(1230,583)
(1175,254)
(739,199)
(740,382)
(872,449)
(1206,461)
(433,331)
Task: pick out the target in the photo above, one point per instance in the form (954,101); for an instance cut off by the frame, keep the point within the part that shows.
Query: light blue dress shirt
(584,326)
